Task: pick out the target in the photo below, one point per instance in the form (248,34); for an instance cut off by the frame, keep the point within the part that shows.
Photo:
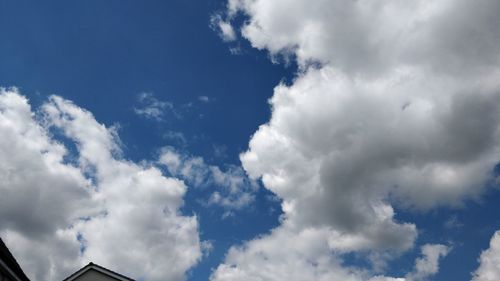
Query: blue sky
(287,140)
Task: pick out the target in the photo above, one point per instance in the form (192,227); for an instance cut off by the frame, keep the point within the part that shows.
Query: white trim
(98,269)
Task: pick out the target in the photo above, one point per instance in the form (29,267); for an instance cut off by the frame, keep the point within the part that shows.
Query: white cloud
(489,267)
(372,36)
(50,257)
(428,264)
(224,28)
(285,254)
(125,215)
(39,191)
(336,149)
(235,191)
(306,256)
(425,266)
(152,108)
(395,104)
(41,194)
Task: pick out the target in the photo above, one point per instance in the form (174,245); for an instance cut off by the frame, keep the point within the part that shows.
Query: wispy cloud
(224,28)
(233,189)
(152,108)
(175,137)
(204,99)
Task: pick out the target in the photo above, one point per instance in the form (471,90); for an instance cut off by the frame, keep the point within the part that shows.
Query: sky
(252,140)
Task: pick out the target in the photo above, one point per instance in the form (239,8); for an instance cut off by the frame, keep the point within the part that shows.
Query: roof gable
(93,268)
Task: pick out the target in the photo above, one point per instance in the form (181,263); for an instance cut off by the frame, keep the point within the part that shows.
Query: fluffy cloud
(428,264)
(489,268)
(41,194)
(371,36)
(345,146)
(307,256)
(395,104)
(235,189)
(285,254)
(101,208)
(39,191)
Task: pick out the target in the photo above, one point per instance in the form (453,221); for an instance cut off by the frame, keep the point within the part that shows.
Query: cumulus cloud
(39,191)
(100,208)
(235,189)
(489,267)
(395,104)
(307,256)
(368,36)
(355,143)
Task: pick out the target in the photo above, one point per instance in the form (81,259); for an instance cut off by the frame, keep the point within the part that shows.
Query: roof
(9,263)
(103,270)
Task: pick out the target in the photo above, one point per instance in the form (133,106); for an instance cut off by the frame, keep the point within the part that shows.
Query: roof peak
(101,269)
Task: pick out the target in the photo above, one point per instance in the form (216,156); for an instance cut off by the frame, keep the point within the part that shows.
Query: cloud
(40,192)
(176,137)
(224,28)
(204,99)
(236,190)
(425,266)
(453,223)
(307,256)
(428,264)
(489,267)
(374,36)
(101,208)
(395,104)
(338,151)
(152,108)
(219,151)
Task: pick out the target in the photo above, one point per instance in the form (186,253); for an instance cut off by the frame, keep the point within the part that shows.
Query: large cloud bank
(61,209)
(489,268)
(397,103)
